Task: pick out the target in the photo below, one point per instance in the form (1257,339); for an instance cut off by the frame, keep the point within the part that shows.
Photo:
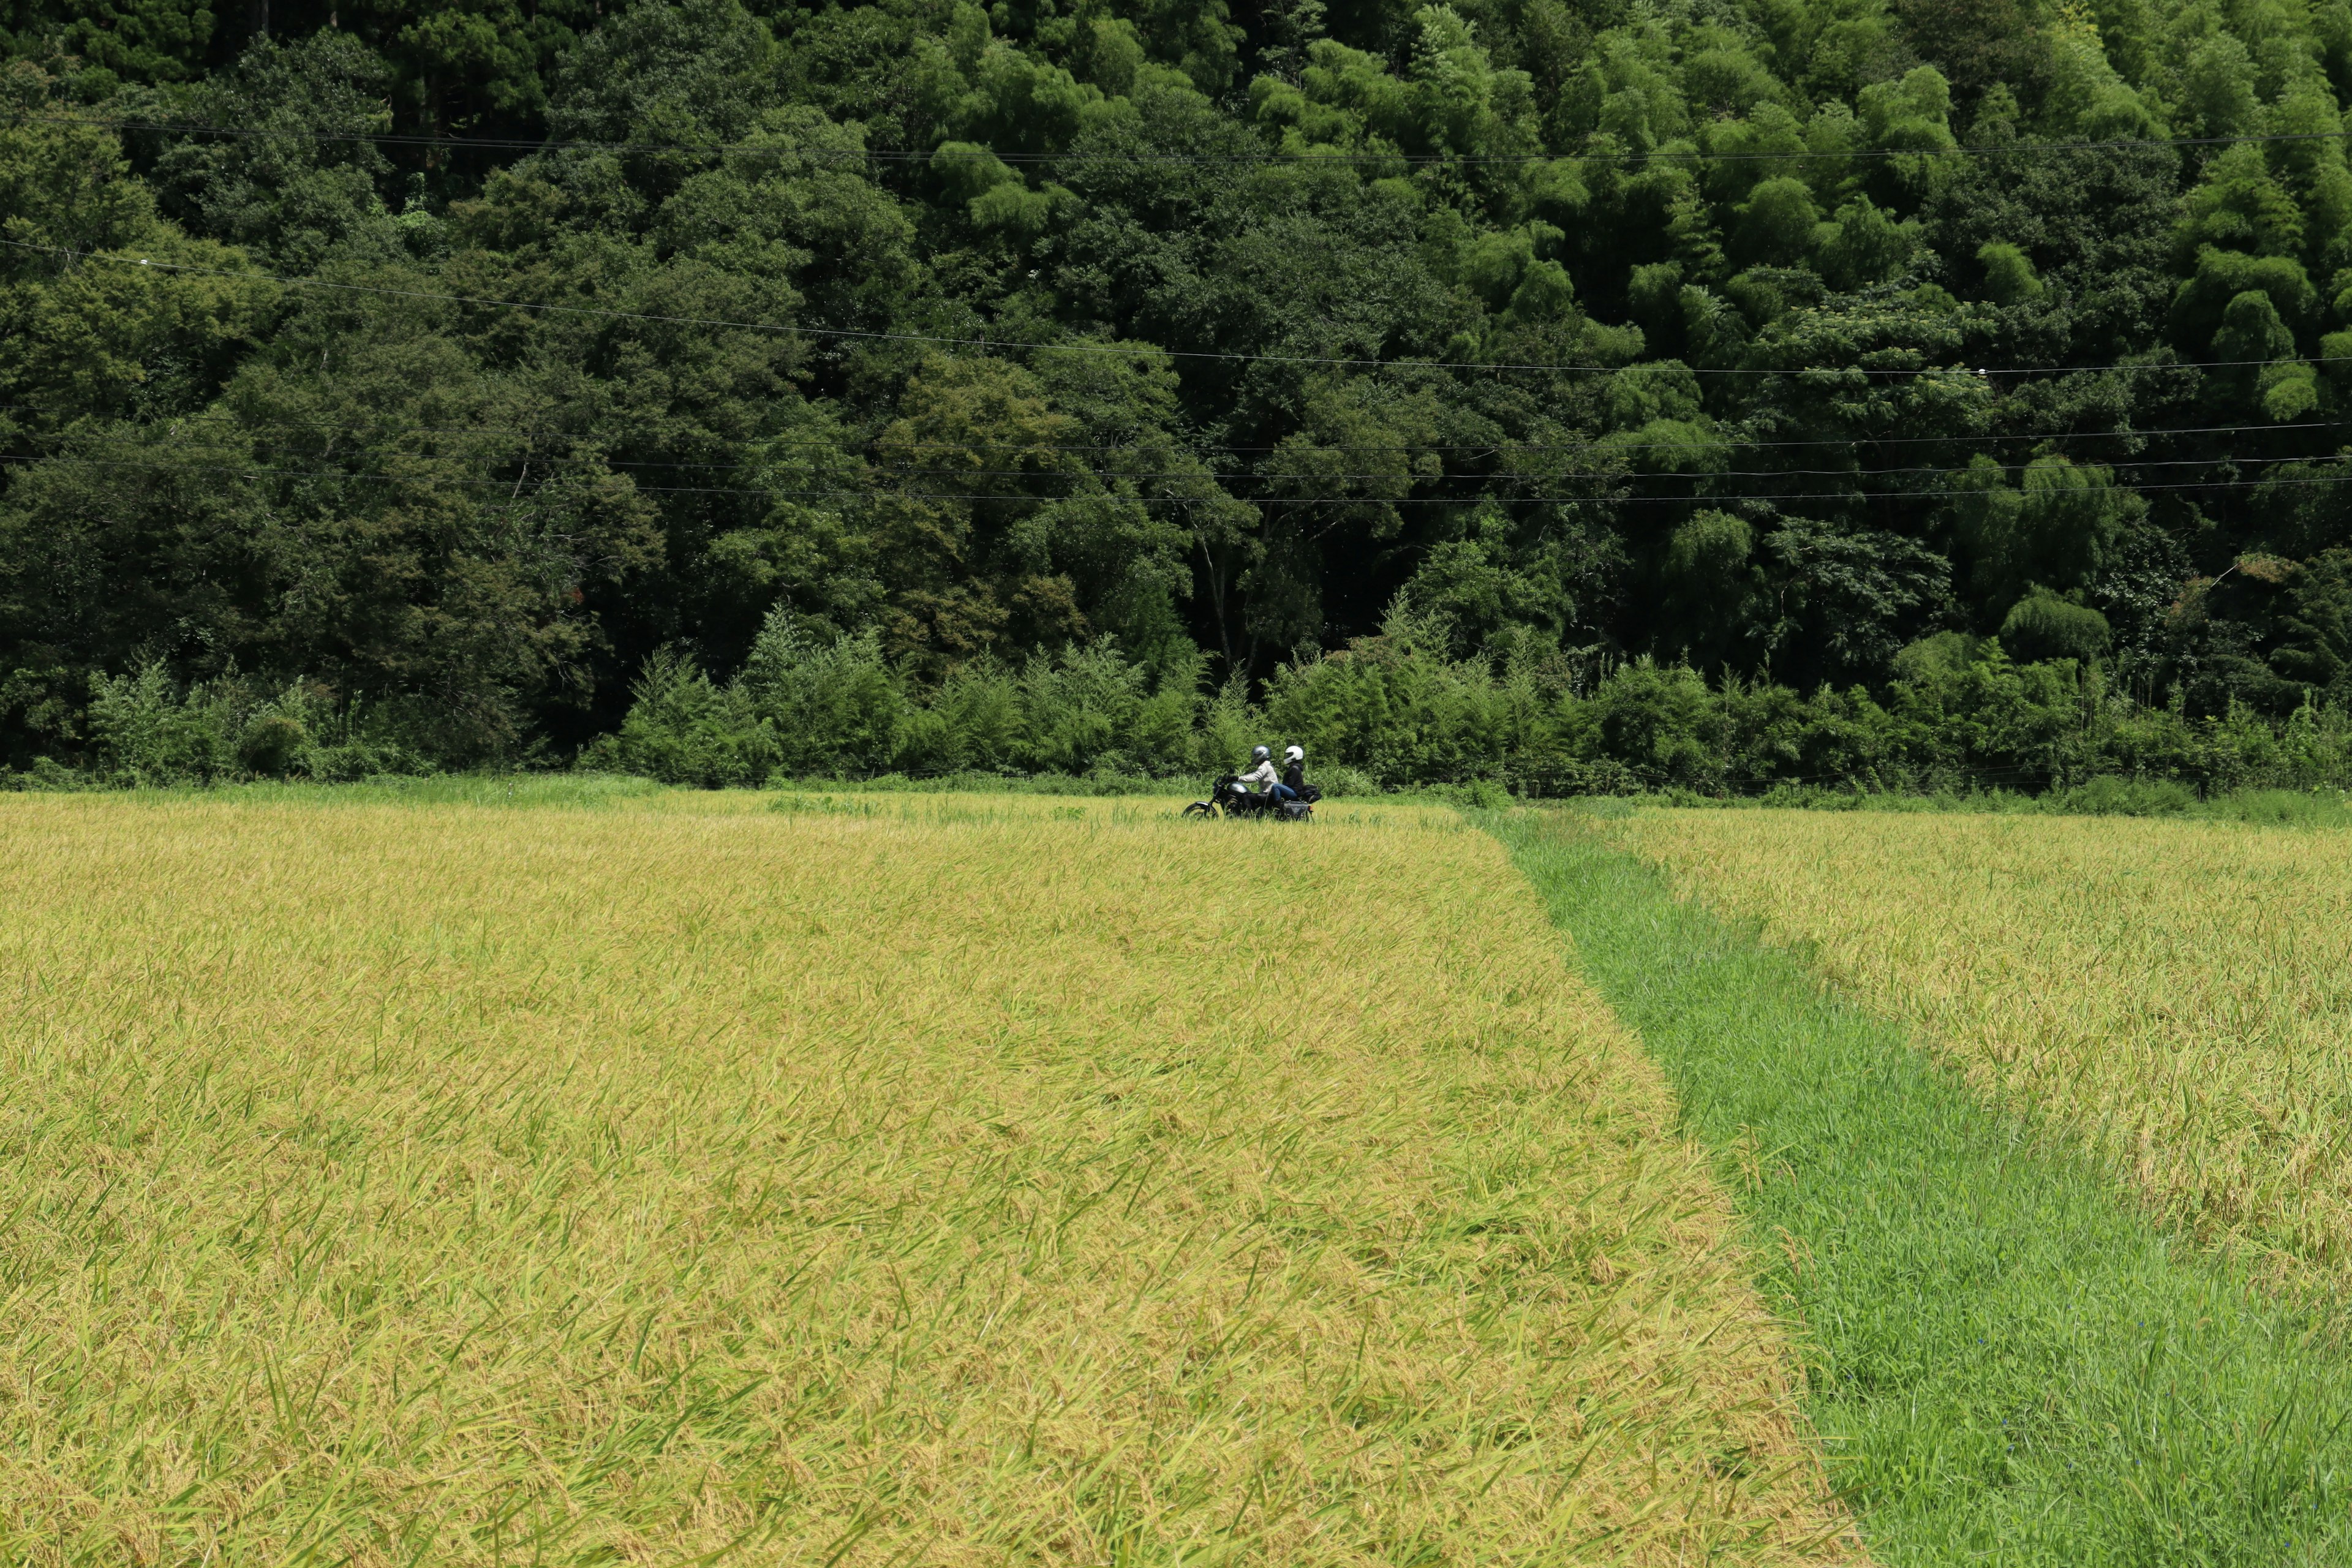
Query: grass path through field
(2007,1362)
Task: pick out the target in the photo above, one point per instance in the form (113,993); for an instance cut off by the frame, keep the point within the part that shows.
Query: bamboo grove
(390,386)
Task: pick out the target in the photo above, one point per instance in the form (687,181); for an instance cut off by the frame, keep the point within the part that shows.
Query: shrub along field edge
(1390,712)
(2004,1359)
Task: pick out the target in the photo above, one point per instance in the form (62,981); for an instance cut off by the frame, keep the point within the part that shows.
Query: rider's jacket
(1263,773)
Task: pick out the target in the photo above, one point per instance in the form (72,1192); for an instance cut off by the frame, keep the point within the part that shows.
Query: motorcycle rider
(1261,771)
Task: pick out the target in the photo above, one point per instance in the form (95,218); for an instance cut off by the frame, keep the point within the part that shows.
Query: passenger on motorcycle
(1294,773)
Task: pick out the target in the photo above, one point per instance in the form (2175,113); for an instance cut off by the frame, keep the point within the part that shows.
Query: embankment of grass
(2102,796)
(2322,807)
(590,789)
(2005,1362)
(584,791)
(619,793)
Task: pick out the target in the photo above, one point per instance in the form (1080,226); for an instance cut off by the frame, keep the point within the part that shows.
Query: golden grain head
(939,1181)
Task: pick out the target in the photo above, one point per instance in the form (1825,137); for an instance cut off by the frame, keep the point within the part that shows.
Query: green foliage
(153,734)
(144,730)
(144,40)
(2009,274)
(683,728)
(2107,795)
(834,708)
(806,706)
(1960,713)
(2056,528)
(2042,626)
(2317,648)
(968,342)
(297,193)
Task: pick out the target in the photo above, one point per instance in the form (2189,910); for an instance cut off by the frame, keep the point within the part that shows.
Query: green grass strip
(2008,1362)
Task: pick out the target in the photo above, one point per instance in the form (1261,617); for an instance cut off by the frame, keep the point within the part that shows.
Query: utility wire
(915,155)
(863,443)
(1141,351)
(886,475)
(257,471)
(1496,448)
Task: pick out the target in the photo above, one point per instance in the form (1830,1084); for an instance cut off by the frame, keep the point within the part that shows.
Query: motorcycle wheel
(1202,809)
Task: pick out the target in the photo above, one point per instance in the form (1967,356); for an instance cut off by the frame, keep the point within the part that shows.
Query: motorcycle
(1228,798)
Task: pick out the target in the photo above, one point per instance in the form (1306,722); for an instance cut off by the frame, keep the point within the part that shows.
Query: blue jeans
(1281,790)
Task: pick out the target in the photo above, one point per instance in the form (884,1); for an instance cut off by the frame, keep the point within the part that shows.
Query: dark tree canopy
(450,361)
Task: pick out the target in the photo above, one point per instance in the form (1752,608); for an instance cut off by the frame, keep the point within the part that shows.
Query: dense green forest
(1585,392)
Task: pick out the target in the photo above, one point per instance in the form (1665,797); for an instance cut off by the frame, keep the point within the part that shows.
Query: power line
(1141,351)
(249,470)
(884,475)
(1334,155)
(557,432)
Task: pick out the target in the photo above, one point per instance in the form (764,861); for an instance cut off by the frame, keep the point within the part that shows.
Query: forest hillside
(1711,392)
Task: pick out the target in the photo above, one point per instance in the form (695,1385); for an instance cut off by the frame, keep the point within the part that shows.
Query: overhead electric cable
(557,432)
(884,476)
(1962,372)
(250,471)
(1334,155)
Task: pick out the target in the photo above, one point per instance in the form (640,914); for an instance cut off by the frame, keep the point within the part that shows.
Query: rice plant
(2178,994)
(945,1182)
(2006,1358)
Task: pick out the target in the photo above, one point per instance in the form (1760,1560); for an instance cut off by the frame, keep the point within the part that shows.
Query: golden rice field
(2178,991)
(875,1181)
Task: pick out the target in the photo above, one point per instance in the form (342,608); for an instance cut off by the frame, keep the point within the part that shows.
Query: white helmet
(1259,754)
(1294,754)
